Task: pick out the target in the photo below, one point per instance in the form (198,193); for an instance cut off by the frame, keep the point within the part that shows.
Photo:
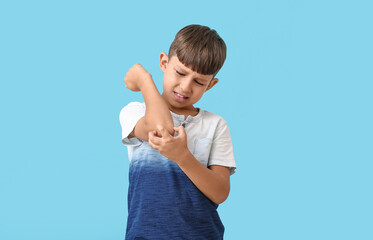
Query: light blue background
(296,91)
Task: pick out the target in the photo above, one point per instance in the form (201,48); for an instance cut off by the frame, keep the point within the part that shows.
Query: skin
(156,127)
(181,79)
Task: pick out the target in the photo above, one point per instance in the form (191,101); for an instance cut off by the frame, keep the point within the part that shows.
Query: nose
(186,85)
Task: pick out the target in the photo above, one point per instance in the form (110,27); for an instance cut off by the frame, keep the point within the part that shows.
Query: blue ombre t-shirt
(163,203)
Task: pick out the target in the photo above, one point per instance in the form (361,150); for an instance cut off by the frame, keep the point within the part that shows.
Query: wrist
(184,157)
(146,81)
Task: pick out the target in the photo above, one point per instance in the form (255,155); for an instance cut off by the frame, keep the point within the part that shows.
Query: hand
(169,146)
(135,77)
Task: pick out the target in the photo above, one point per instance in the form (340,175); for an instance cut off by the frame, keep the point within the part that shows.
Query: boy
(181,157)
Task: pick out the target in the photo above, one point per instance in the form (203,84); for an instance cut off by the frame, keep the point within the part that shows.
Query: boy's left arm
(213,182)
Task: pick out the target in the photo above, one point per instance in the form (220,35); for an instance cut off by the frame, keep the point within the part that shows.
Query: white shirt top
(208,136)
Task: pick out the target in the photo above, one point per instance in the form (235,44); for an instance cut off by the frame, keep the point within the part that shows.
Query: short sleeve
(128,117)
(222,149)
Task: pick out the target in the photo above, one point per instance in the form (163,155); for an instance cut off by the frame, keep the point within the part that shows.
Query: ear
(212,83)
(163,60)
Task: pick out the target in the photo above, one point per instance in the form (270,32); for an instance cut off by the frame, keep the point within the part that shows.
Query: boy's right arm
(157,112)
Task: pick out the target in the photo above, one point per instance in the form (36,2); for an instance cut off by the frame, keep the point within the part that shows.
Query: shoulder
(132,106)
(132,109)
(214,119)
(217,126)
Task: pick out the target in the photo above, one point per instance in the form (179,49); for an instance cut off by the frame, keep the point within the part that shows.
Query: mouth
(180,98)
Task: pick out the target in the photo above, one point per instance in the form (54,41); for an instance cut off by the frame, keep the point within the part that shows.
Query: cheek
(168,83)
(172,81)
(199,92)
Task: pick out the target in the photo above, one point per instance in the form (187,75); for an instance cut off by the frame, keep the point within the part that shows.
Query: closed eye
(198,83)
(181,74)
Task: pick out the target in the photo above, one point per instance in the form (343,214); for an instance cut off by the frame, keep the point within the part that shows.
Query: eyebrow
(198,78)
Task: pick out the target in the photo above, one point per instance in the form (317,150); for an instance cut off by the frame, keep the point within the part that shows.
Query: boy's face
(182,87)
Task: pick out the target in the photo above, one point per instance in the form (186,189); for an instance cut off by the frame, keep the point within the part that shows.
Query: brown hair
(199,48)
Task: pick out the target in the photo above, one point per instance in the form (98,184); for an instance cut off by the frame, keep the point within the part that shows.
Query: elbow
(222,197)
(220,200)
(152,126)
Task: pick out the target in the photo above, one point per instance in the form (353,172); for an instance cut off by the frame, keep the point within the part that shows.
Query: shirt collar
(190,118)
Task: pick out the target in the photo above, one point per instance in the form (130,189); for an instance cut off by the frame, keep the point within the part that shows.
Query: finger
(152,137)
(180,130)
(163,131)
(152,144)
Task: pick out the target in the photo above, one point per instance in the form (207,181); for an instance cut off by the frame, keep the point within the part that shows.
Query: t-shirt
(163,203)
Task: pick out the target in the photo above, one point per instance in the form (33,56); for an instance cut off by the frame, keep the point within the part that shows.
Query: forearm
(211,184)
(157,112)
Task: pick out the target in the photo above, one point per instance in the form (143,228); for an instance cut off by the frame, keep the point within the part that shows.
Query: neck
(189,110)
